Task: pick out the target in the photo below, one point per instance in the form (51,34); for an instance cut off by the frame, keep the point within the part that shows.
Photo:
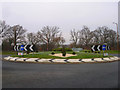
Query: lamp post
(117,35)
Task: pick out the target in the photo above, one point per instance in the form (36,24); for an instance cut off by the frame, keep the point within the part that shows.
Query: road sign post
(22,49)
(25,48)
(104,48)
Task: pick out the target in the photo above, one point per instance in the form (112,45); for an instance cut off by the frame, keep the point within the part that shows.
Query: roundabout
(42,60)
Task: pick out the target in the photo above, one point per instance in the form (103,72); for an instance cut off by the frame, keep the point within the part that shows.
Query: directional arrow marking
(15,47)
(25,47)
(98,47)
(108,48)
(93,47)
(31,47)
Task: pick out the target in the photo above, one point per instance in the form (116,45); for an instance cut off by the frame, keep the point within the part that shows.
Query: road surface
(31,75)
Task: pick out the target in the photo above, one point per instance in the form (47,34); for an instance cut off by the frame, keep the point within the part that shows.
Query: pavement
(36,75)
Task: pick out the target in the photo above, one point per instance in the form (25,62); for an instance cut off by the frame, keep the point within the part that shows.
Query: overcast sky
(66,15)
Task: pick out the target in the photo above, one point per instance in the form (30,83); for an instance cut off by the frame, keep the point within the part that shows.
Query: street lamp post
(117,35)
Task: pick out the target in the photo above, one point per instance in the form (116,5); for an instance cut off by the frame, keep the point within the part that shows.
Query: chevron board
(99,47)
(27,47)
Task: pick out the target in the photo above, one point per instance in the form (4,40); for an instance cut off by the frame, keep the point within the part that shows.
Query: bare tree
(74,36)
(58,41)
(3,26)
(34,38)
(48,34)
(105,35)
(85,36)
(15,33)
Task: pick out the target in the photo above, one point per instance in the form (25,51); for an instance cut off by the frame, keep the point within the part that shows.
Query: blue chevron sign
(22,47)
(104,47)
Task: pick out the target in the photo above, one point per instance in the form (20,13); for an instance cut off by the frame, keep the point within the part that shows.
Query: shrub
(73,53)
(64,54)
(88,51)
(85,51)
(98,52)
(63,51)
(60,49)
(52,53)
(28,52)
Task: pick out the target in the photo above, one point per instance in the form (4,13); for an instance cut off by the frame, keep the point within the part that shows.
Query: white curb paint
(7,58)
(87,60)
(13,59)
(61,60)
(73,60)
(106,59)
(116,58)
(112,59)
(32,59)
(44,60)
(21,59)
(98,60)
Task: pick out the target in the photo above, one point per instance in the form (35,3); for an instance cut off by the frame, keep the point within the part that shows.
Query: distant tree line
(85,38)
(50,37)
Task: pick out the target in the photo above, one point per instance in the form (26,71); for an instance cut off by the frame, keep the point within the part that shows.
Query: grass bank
(109,51)
(8,53)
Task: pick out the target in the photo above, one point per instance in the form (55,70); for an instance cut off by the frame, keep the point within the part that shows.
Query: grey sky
(66,15)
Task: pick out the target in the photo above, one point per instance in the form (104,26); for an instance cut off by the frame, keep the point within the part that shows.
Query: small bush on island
(73,53)
(63,51)
(52,53)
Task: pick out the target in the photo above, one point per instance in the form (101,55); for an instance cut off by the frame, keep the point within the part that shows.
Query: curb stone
(95,60)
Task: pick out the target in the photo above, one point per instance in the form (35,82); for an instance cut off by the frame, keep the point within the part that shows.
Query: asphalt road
(30,75)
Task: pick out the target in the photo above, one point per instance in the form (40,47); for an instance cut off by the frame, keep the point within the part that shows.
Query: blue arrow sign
(22,47)
(104,47)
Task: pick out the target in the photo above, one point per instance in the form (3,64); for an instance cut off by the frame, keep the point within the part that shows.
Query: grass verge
(45,55)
